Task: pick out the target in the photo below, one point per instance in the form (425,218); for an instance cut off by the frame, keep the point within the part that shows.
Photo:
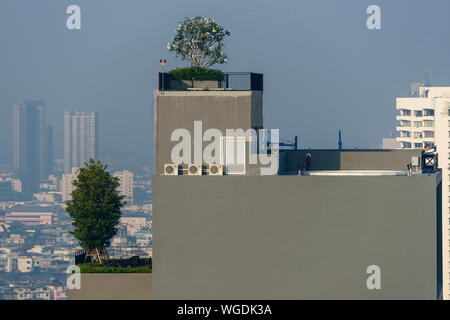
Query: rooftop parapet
(232,81)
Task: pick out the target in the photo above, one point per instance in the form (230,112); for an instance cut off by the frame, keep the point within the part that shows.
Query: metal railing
(116,252)
(232,81)
(80,256)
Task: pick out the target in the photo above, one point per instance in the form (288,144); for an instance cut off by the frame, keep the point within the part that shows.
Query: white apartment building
(80,138)
(126,179)
(425,119)
(67,184)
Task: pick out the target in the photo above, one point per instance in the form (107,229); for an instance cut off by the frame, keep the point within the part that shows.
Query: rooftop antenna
(340,141)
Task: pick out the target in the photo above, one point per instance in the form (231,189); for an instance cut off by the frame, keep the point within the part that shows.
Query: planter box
(185,84)
(206,84)
(113,286)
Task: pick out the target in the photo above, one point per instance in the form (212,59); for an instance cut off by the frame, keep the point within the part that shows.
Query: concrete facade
(113,286)
(216,109)
(296,237)
(333,159)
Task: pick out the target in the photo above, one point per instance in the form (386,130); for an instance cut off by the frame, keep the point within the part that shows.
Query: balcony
(232,81)
(405,113)
(404,124)
(401,128)
(401,117)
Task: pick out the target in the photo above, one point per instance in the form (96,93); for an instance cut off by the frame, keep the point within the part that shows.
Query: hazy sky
(323,69)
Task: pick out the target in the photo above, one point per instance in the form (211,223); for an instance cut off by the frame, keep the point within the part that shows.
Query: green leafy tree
(200,41)
(95,209)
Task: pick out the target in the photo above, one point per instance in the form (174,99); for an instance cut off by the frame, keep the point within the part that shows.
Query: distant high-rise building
(41,108)
(26,153)
(126,184)
(30,144)
(67,186)
(49,150)
(80,138)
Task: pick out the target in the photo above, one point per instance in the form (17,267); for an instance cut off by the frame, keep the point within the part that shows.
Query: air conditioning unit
(194,170)
(171,169)
(215,170)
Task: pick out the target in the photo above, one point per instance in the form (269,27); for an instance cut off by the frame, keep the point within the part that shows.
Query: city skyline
(274,140)
(331,71)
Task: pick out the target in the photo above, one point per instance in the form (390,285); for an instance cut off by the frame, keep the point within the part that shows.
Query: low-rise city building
(30,218)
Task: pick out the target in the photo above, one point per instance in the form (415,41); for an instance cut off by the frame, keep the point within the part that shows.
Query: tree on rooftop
(200,41)
(95,209)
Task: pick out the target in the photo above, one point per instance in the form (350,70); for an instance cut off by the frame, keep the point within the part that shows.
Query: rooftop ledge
(239,81)
(366,173)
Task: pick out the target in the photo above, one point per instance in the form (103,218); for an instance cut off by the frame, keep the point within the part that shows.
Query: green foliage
(200,41)
(100,268)
(197,74)
(144,265)
(128,262)
(95,206)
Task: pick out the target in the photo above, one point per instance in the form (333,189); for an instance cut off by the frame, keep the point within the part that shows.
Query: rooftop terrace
(232,81)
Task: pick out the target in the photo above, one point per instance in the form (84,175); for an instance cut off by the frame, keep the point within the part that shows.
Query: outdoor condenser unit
(215,170)
(194,170)
(170,169)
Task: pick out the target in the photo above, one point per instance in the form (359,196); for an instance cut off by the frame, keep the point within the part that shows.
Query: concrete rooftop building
(215,108)
(312,231)
(329,224)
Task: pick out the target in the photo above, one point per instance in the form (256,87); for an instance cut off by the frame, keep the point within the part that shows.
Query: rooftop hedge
(118,266)
(100,268)
(199,74)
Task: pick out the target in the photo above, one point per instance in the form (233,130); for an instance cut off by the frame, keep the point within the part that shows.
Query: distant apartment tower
(43,128)
(425,120)
(49,150)
(80,138)
(26,147)
(31,154)
(126,179)
(67,184)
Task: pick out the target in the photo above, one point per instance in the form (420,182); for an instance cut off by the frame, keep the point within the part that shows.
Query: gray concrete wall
(396,159)
(113,286)
(294,237)
(216,109)
(291,161)
(377,159)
